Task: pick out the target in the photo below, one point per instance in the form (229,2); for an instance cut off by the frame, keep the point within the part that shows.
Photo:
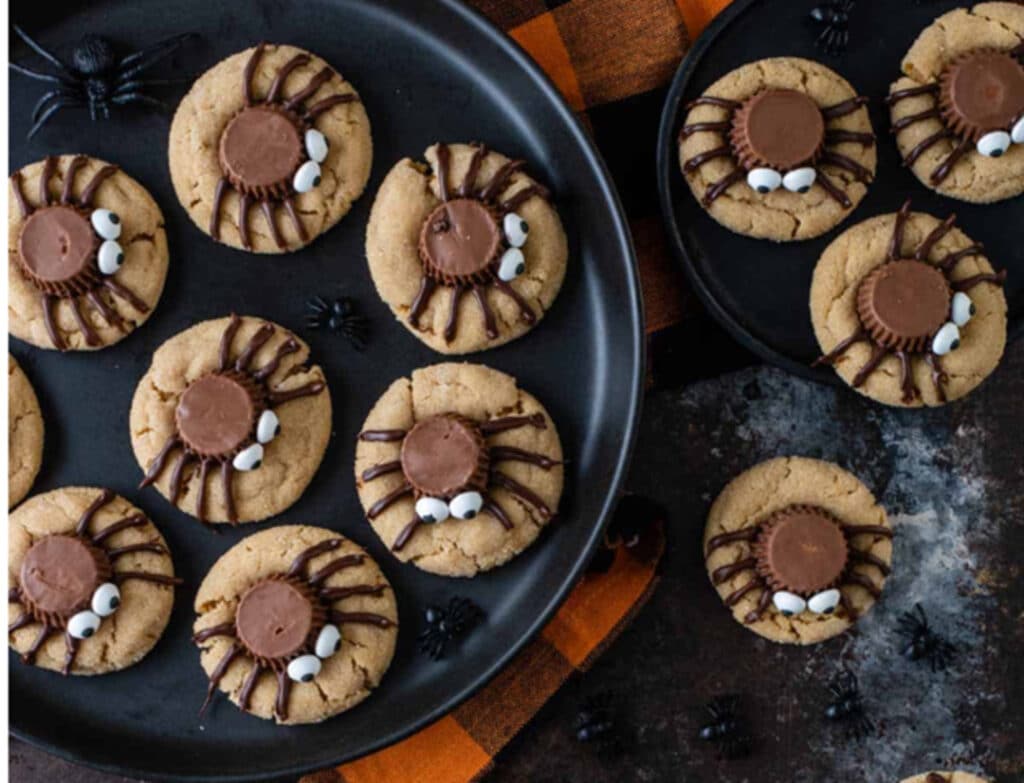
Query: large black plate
(758,290)
(425,72)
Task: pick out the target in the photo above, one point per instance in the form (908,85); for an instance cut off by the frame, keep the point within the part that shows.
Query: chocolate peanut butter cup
(277,619)
(444,455)
(217,412)
(982,91)
(903,304)
(58,577)
(778,129)
(459,242)
(260,150)
(56,249)
(801,549)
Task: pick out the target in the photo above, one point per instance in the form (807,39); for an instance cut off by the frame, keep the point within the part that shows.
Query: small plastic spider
(97,78)
(847,706)
(446,625)
(339,316)
(835,15)
(922,642)
(727,727)
(68,583)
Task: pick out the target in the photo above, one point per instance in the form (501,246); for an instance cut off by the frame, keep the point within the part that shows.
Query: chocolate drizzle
(445,455)
(780,129)
(261,148)
(57,250)
(215,416)
(461,241)
(60,572)
(801,548)
(902,303)
(977,92)
(279,618)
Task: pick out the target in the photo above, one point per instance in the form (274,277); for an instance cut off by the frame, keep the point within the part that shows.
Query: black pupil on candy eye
(805,189)
(523,227)
(115,602)
(428,518)
(86,633)
(469,514)
(520,269)
(762,189)
(307,677)
(954,345)
(114,219)
(316,182)
(337,645)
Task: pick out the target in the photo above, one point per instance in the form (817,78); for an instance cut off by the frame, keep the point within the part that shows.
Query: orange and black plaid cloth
(612,60)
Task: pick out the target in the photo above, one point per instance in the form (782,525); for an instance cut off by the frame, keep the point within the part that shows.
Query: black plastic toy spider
(595,722)
(727,728)
(922,642)
(339,316)
(448,624)
(96,77)
(847,706)
(835,15)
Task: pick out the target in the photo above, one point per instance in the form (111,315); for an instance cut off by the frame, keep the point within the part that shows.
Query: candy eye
(248,458)
(824,602)
(106,599)
(963,308)
(467,505)
(799,180)
(307,177)
(106,223)
(788,603)
(994,144)
(513,264)
(516,229)
(946,339)
(304,668)
(316,145)
(764,180)
(110,257)
(268,427)
(1017,134)
(328,642)
(431,510)
(83,625)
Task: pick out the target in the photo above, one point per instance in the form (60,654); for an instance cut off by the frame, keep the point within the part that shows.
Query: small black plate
(758,290)
(425,72)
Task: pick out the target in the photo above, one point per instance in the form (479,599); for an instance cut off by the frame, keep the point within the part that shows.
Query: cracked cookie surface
(945,777)
(834,285)
(24,434)
(348,676)
(124,637)
(408,195)
(143,271)
(780,215)
(289,461)
(771,486)
(975,177)
(202,115)
(461,547)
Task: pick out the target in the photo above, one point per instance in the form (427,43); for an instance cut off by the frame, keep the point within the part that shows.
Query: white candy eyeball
(268,427)
(946,339)
(106,599)
(84,624)
(1017,134)
(466,505)
(824,602)
(764,180)
(316,145)
(431,510)
(110,257)
(248,458)
(328,642)
(788,603)
(513,264)
(799,180)
(106,223)
(304,668)
(516,229)
(307,177)
(994,144)
(963,308)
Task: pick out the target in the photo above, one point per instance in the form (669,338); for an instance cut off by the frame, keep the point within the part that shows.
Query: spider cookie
(798,549)
(945,777)
(458,469)
(269,149)
(958,110)
(230,422)
(24,434)
(908,309)
(86,251)
(468,254)
(90,581)
(778,149)
(295,623)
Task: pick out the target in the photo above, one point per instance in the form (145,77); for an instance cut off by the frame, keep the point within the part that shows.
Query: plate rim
(633,295)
